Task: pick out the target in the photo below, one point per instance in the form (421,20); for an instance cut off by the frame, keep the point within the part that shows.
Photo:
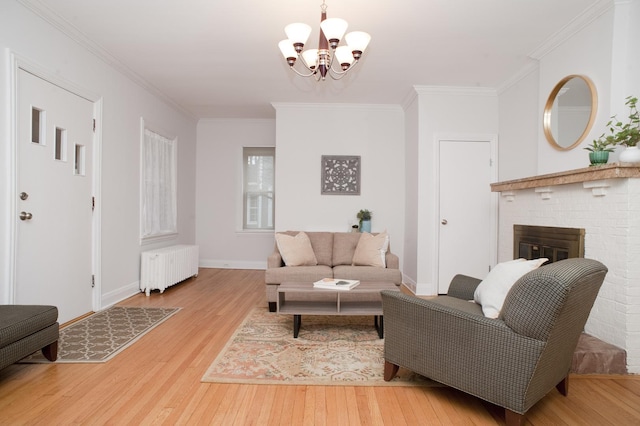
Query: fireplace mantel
(587,174)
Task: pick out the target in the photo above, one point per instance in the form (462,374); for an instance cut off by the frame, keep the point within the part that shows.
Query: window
(258,188)
(158,186)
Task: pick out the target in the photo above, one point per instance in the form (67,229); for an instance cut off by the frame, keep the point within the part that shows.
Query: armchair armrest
(463,287)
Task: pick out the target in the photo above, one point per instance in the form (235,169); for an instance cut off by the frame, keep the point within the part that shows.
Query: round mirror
(570,112)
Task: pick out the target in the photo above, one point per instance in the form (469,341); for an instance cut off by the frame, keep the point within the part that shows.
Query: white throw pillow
(296,250)
(371,250)
(492,291)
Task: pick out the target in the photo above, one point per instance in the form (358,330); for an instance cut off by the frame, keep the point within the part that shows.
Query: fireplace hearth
(554,243)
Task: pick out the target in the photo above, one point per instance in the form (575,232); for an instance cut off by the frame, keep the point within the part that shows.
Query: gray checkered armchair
(512,361)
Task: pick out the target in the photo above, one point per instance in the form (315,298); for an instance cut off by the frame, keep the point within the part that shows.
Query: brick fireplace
(604,202)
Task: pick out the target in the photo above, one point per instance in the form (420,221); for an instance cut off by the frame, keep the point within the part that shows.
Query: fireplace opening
(554,243)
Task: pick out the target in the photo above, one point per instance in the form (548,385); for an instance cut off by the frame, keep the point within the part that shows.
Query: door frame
(493,146)
(17,63)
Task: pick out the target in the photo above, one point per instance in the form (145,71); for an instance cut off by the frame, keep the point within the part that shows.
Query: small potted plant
(599,149)
(365,220)
(627,134)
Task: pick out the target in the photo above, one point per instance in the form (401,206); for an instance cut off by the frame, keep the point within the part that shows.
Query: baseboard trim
(232,264)
(120,294)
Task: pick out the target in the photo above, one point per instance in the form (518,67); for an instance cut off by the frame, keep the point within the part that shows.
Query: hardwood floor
(157,380)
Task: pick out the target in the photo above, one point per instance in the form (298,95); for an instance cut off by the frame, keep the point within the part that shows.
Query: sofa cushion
(492,291)
(322,243)
(371,250)
(297,273)
(296,250)
(367,273)
(344,246)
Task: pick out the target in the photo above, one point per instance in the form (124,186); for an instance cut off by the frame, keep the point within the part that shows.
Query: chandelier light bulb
(334,29)
(310,57)
(287,49)
(357,42)
(344,57)
(298,34)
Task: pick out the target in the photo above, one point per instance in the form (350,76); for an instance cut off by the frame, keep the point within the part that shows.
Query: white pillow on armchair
(492,291)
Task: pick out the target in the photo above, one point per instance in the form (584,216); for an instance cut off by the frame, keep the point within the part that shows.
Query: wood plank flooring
(157,381)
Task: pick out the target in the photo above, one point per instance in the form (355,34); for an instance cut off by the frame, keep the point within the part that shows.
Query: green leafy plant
(363,215)
(627,134)
(602,144)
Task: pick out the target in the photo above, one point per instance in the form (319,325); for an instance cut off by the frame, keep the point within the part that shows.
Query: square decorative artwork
(340,175)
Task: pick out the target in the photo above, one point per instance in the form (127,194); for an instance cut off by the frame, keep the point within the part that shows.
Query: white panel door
(465,213)
(54,230)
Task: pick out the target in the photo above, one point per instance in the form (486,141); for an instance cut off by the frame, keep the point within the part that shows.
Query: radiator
(167,266)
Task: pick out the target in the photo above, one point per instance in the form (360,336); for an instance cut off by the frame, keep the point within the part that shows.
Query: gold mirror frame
(548,112)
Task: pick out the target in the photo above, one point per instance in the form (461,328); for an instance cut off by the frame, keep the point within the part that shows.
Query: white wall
(305,132)
(442,112)
(223,243)
(411,217)
(124,103)
(587,52)
(519,127)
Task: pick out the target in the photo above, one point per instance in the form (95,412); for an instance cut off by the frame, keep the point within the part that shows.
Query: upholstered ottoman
(25,329)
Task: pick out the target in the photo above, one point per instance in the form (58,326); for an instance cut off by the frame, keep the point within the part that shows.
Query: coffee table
(320,301)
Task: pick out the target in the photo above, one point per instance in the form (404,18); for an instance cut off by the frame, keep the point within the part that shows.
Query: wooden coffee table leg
(297,320)
(378,321)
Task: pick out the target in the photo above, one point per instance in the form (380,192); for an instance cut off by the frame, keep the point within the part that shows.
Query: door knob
(24,196)
(25,216)
(444,221)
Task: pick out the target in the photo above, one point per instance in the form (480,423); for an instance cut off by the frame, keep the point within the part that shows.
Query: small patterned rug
(330,350)
(103,335)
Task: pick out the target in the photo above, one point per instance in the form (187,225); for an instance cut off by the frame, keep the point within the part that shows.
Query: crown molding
(39,8)
(577,24)
(454,90)
(525,71)
(333,106)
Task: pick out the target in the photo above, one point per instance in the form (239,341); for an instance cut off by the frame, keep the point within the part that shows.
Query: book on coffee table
(336,284)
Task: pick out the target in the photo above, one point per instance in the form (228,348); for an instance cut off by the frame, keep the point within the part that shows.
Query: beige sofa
(334,252)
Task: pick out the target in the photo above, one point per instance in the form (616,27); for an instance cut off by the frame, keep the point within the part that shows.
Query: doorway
(54,182)
(467,240)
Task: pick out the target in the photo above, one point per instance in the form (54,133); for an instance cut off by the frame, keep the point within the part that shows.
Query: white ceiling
(219,58)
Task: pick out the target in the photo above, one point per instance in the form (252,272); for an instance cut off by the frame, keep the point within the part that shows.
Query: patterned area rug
(330,350)
(103,335)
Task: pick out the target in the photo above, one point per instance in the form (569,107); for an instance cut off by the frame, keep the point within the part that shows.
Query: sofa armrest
(392,260)
(463,287)
(275,260)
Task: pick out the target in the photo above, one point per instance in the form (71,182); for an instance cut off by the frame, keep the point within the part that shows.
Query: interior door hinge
(94,125)
(93,203)
(93,281)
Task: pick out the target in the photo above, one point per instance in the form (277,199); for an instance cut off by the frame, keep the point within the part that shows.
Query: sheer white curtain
(158,191)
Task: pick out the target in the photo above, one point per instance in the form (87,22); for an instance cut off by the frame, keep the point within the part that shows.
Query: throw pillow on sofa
(371,250)
(296,250)
(492,291)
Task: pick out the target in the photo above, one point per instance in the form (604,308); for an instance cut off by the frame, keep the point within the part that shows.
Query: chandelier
(321,62)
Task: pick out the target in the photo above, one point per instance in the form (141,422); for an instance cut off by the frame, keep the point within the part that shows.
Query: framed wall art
(340,175)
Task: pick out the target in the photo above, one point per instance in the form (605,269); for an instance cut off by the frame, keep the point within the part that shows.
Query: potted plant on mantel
(627,134)
(599,150)
(365,220)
